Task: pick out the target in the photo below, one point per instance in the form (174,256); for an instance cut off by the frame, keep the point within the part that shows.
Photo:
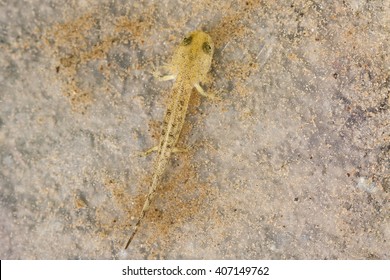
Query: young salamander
(190,64)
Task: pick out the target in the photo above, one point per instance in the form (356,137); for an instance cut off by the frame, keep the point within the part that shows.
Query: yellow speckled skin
(190,64)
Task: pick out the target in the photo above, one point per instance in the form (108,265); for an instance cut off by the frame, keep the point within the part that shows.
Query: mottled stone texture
(291,162)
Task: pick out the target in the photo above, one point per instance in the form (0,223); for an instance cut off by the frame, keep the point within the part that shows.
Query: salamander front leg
(203,93)
(166,76)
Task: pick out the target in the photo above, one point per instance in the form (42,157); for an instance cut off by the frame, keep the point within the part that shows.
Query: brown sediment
(75,44)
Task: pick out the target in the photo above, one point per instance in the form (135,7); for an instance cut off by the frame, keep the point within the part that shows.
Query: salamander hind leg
(148,151)
(155,149)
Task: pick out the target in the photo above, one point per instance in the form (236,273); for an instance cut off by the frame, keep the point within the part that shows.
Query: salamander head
(194,54)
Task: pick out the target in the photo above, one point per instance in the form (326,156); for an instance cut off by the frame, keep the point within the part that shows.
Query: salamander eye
(206,47)
(186,41)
